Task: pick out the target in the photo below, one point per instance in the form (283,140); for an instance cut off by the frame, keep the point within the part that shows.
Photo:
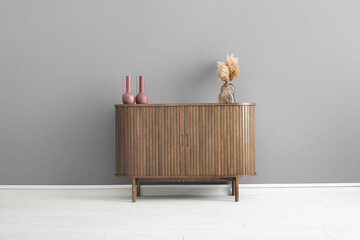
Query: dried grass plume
(228,70)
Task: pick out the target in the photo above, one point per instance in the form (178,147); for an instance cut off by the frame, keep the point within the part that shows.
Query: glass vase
(227,93)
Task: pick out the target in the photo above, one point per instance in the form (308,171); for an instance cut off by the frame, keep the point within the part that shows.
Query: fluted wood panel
(203,133)
(148,141)
(185,140)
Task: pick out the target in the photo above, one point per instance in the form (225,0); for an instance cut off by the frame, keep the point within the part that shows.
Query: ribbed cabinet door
(136,131)
(237,141)
(229,146)
(123,141)
(246,135)
(168,141)
(202,134)
(150,141)
(219,140)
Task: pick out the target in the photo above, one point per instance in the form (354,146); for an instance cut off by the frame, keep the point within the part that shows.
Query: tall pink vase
(128,97)
(142,98)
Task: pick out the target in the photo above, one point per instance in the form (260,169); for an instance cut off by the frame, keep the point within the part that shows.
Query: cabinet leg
(138,188)
(233,187)
(134,190)
(236,189)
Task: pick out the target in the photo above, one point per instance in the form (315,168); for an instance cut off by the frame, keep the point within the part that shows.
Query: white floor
(107,213)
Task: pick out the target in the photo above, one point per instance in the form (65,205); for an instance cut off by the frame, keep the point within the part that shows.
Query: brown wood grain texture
(233,187)
(185,141)
(133,183)
(236,189)
(183,105)
(137,187)
(194,140)
(185,179)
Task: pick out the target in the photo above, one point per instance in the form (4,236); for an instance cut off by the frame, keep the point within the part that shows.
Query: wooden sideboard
(185,142)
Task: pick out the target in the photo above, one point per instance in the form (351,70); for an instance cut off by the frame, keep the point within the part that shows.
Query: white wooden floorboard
(180,212)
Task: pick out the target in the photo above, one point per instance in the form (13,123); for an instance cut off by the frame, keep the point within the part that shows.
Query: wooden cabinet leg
(138,188)
(134,190)
(236,189)
(233,187)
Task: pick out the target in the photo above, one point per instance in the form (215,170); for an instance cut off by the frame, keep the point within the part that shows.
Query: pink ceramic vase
(142,98)
(128,97)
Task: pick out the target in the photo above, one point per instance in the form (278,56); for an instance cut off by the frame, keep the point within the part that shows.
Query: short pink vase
(128,97)
(142,98)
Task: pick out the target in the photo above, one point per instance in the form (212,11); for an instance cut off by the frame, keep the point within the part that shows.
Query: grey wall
(61,64)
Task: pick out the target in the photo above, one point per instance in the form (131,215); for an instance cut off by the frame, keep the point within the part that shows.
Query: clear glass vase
(227,93)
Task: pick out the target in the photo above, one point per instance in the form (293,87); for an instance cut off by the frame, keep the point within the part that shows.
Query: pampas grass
(228,70)
(223,71)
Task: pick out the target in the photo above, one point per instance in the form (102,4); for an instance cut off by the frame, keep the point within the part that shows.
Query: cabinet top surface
(184,104)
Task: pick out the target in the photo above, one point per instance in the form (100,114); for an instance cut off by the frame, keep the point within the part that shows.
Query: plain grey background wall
(61,64)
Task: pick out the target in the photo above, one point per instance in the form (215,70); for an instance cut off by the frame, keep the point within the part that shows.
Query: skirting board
(166,190)
(280,185)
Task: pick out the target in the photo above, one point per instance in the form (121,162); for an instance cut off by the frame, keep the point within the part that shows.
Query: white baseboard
(299,185)
(282,185)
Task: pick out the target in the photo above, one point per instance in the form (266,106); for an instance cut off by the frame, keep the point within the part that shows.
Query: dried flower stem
(228,70)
